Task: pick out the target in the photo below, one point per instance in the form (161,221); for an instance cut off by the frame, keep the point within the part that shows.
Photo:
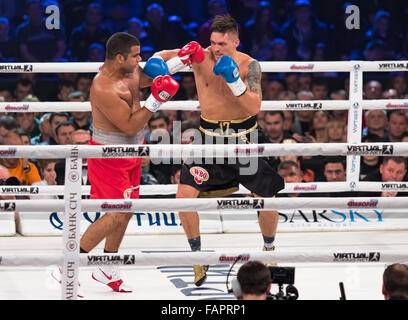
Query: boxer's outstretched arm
(119,113)
(168,54)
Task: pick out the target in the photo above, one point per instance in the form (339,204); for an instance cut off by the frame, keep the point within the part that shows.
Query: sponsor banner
(248,203)
(130,152)
(379,150)
(15,67)
(51,223)
(304,106)
(374,256)
(353,219)
(126,259)
(16,107)
(7,224)
(19,190)
(393,66)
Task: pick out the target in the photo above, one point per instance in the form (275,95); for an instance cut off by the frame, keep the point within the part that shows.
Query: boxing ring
(380,244)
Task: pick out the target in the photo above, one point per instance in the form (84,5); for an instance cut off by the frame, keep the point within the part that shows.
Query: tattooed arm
(252,98)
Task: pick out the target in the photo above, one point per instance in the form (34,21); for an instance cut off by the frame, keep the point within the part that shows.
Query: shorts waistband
(228,128)
(111,137)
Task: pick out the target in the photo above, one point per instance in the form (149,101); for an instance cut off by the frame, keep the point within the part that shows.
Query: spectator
(335,171)
(146,176)
(257,33)
(369,163)
(46,168)
(191,115)
(308,174)
(254,280)
(375,50)
(96,53)
(157,24)
(320,89)
(279,50)
(214,7)
(390,94)
(7,124)
(8,45)
(392,169)
(172,115)
(303,119)
(318,130)
(340,95)
(397,125)
(65,87)
(273,126)
(90,31)
(291,82)
(24,170)
(159,128)
(189,131)
(305,82)
(63,133)
(23,88)
(83,83)
(36,41)
(304,31)
(135,27)
(399,83)
(273,90)
(55,119)
(395,282)
(291,173)
(25,136)
(376,123)
(44,127)
(80,120)
(77,137)
(188,89)
(383,30)
(335,130)
(6,95)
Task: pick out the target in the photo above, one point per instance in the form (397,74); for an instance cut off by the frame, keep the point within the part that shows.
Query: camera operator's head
(395,282)
(254,279)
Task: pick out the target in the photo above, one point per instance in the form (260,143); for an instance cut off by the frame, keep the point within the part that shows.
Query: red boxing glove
(163,89)
(191,53)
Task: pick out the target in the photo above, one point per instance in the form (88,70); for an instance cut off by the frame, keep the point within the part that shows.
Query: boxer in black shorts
(229,92)
(221,179)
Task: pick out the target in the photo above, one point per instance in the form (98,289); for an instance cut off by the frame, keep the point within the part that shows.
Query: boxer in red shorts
(118,118)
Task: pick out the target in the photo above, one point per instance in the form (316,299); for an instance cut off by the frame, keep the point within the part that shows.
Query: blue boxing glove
(156,66)
(228,69)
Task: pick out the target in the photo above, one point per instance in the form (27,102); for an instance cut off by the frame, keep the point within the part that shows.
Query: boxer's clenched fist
(163,89)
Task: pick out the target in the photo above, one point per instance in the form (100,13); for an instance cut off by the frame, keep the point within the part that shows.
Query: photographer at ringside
(254,279)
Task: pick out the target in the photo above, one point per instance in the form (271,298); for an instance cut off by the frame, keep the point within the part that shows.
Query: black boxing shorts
(216,179)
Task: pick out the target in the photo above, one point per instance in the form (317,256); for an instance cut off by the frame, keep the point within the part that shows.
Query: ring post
(71,229)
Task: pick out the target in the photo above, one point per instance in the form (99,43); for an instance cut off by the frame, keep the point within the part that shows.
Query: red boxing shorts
(117,178)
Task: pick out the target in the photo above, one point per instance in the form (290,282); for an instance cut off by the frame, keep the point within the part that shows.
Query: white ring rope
(159,151)
(207,204)
(273,105)
(266,66)
(168,189)
(210,258)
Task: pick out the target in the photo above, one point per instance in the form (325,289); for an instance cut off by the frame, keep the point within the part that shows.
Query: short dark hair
(275,112)
(158,115)
(120,43)
(254,277)
(287,164)
(224,24)
(63,124)
(395,280)
(396,159)
(58,114)
(335,159)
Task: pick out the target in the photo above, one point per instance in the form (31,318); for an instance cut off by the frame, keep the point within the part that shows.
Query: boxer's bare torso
(216,100)
(115,98)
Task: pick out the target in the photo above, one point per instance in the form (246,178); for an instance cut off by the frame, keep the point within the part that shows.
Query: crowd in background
(274,30)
